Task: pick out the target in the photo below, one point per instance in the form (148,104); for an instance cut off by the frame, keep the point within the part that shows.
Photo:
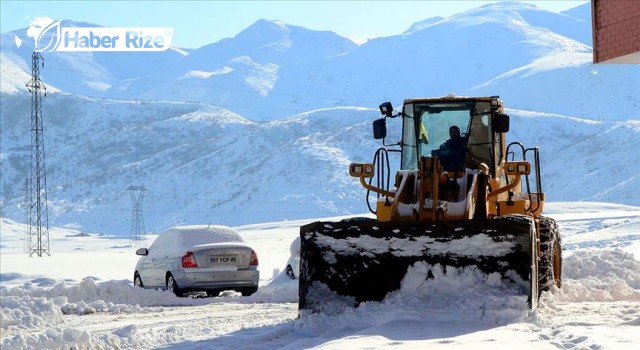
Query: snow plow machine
(462,198)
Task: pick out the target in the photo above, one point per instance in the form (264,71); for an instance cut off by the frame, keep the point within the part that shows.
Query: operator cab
(426,125)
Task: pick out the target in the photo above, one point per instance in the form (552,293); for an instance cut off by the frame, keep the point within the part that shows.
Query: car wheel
(289,271)
(248,291)
(137,281)
(172,286)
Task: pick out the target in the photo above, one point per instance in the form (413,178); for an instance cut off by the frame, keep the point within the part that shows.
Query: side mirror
(386,109)
(379,129)
(142,251)
(500,123)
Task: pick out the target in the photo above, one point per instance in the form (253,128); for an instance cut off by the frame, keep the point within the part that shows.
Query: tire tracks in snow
(162,326)
(589,325)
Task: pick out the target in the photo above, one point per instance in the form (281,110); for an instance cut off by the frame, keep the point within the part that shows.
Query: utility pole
(38,215)
(137,221)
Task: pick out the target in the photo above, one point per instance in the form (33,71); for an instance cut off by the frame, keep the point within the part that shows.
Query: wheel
(290,273)
(137,281)
(550,267)
(213,293)
(172,286)
(248,291)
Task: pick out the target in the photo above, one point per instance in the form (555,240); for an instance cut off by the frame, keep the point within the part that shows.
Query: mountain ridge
(272,69)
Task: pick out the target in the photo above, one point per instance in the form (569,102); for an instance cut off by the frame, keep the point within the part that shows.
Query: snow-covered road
(164,325)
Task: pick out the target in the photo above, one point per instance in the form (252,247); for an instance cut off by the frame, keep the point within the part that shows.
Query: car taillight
(189,260)
(254,258)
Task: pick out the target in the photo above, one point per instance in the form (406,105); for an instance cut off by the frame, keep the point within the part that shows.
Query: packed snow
(82,297)
(178,240)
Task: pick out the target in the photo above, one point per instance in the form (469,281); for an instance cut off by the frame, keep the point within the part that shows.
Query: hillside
(201,163)
(198,162)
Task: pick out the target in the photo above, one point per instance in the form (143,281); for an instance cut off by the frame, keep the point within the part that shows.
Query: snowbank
(607,275)
(463,296)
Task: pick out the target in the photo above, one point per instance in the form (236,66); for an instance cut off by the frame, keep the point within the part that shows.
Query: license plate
(223,259)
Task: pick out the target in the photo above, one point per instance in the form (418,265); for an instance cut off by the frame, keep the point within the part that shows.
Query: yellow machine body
(458,179)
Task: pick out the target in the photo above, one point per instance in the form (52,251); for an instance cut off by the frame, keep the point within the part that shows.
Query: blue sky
(197,23)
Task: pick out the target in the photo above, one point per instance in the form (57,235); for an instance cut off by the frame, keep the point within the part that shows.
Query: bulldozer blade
(355,260)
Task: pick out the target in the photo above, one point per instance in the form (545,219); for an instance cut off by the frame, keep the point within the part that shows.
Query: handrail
(383,175)
(538,178)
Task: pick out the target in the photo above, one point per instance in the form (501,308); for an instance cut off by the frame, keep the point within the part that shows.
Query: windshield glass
(443,128)
(409,147)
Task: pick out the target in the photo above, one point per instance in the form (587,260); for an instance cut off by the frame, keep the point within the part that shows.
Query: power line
(217,87)
(169,211)
(221,201)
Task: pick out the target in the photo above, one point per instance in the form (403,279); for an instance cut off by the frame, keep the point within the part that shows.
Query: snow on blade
(474,246)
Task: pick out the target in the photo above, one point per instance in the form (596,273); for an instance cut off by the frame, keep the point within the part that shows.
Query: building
(616,31)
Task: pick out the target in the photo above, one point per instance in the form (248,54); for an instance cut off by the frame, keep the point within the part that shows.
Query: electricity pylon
(137,221)
(38,215)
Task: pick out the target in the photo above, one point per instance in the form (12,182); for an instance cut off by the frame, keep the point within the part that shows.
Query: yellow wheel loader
(462,197)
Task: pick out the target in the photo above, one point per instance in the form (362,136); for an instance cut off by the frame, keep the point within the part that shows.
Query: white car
(293,265)
(198,258)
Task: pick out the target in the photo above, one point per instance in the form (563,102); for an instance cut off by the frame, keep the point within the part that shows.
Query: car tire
(172,286)
(137,281)
(248,291)
(290,273)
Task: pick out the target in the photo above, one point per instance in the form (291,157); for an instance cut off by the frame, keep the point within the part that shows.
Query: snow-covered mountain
(498,49)
(285,156)
(240,73)
(537,59)
(83,73)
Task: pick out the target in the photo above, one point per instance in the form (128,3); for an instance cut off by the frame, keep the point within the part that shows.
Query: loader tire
(550,266)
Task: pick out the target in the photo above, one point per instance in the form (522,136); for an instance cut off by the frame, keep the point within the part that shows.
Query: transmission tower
(137,221)
(38,215)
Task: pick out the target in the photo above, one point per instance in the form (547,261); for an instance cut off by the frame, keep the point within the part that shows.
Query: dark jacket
(451,154)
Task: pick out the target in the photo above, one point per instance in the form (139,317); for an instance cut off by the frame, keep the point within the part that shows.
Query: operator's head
(454,132)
